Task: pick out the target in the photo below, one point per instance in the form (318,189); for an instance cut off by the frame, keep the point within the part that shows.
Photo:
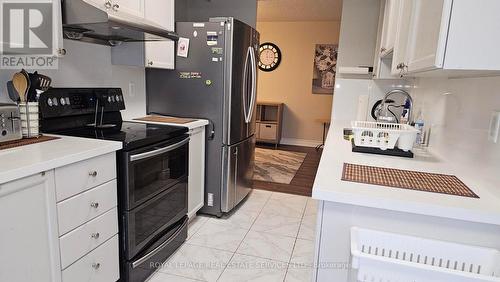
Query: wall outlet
(131,89)
(494,127)
(210,200)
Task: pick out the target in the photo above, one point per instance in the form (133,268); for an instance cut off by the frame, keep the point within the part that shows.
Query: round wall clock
(270,56)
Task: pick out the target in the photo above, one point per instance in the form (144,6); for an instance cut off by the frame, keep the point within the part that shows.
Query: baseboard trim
(300,142)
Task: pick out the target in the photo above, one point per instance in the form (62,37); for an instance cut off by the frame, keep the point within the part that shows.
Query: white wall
(202,10)
(458,112)
(89,65)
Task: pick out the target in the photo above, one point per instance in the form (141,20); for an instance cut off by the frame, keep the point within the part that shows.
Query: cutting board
(164,119)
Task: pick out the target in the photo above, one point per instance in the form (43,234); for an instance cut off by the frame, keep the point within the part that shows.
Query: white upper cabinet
(454,37)
(387,35)
(133,7)
(389,26)
(159,54)
(401,40)
(428,31)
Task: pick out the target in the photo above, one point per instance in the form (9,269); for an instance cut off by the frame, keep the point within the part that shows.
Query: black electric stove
(152,172)
(133,135)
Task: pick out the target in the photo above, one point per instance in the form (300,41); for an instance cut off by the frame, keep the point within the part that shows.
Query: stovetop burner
(76,111)
(133,135)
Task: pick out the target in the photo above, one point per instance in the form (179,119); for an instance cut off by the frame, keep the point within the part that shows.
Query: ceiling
(299,10)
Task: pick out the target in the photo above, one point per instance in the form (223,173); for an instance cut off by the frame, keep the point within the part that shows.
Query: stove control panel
(58,102)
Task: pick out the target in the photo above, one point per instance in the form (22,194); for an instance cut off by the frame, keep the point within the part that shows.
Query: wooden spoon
(21,85)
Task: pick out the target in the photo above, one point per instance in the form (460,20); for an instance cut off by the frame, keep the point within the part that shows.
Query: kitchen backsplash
(89,65)
(458,112)
(348,92)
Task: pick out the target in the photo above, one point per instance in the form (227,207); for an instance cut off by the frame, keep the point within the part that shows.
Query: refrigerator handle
(245,86)
(254,83)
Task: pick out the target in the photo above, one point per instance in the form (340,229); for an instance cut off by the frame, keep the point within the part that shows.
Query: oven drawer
(81,208)
(76,178)
(87,237)
(144,223)
(150,259)
(100,265)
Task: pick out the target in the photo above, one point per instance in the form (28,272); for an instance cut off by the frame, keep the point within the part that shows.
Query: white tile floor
(269,238)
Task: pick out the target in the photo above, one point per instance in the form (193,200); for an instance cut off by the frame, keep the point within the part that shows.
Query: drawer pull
(95,205)
(95,235)
(268,126)
(96,265)
(93,173)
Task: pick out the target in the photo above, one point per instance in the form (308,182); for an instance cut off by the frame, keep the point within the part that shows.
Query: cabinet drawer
(87,237)
(81,208)
(76,178)
(101,265)
(268,131)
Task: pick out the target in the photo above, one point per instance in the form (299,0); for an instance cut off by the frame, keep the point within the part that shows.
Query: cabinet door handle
(108,5)
(93,173)
(95,235)
(268,126)
(95,205)
(96,265)
(116,7)
(150,63)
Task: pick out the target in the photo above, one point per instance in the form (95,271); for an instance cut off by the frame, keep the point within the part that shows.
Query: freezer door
(241,81)
(240,163)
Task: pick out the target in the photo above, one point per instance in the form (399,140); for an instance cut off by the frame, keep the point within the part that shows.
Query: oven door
(151,170)
(143,225)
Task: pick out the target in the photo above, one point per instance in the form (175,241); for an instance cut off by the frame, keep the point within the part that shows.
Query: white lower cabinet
(100,265)
(87,237)
(81,176)
(29,249)
(83,207)
(196,181)
(72,240)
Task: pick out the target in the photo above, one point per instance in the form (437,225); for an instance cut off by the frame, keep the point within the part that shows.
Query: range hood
(85,20)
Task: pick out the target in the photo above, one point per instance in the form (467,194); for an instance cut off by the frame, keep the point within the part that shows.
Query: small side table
(326,123)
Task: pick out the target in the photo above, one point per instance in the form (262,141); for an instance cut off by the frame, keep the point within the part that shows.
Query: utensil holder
(30,119)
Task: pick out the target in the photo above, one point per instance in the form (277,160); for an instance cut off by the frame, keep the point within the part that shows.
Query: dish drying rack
(384,135)
(389,257)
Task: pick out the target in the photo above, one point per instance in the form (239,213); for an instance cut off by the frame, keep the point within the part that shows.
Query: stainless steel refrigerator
(216,80)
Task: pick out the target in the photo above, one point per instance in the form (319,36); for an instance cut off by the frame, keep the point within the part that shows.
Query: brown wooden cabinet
(269,122)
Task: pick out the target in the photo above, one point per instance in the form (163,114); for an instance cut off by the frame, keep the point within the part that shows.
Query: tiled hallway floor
(270,237)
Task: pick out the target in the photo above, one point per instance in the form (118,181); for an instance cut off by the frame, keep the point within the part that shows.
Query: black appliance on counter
(152,172)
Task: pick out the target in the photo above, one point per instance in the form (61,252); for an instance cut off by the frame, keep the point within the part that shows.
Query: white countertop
(328,185)
(191,125)
(27,160)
